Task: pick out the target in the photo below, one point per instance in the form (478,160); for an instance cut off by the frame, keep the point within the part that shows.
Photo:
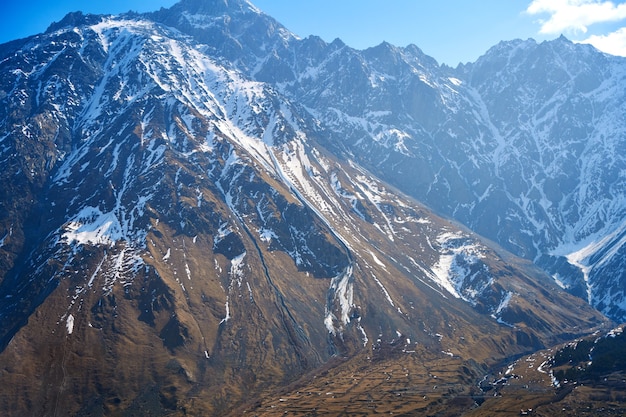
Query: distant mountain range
(201,212)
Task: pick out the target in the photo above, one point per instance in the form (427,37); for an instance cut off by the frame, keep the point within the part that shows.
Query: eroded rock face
(185,237)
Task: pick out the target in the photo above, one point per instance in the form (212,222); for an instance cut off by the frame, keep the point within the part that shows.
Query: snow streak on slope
(342,292)
(594,252)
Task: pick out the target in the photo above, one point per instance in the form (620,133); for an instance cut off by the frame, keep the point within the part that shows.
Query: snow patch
(452,270)
(267,235)
(615,332)
(227,317)
(92,226)
(69,324)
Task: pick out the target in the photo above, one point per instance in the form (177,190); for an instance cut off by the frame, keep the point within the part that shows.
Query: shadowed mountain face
(198,211)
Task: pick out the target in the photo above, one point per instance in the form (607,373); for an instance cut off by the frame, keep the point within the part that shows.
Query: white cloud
(613,43)
(575,15)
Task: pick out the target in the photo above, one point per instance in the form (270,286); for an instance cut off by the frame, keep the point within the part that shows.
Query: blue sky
(451,31)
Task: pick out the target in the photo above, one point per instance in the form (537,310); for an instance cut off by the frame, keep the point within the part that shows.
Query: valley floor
(403,383)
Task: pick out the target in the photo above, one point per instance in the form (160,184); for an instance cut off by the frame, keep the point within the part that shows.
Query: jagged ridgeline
(201,213)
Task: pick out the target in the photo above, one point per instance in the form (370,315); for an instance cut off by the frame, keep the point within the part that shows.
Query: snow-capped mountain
(196,210)
(522,146)
(559,110)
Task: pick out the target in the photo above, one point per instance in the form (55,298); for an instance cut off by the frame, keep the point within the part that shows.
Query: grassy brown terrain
(394,381)
(391,380)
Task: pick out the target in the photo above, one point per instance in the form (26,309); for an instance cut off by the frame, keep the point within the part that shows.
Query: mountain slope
(521,146)
(182,238)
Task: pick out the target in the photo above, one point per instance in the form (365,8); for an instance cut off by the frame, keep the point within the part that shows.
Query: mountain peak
(74,19)
(214,7)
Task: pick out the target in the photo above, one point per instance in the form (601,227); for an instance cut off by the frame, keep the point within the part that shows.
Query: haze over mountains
(199,208)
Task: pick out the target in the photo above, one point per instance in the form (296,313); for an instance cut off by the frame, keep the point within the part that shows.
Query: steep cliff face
(183,236)
(569,122)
